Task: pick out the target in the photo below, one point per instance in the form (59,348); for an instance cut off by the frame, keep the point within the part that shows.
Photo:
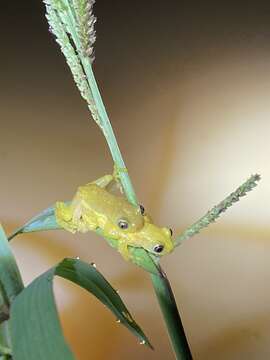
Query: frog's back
(95,198)
(102,202)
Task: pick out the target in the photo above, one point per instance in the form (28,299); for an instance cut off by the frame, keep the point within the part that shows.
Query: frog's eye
(123,224)
(171,232)
(158,248)
(142,209)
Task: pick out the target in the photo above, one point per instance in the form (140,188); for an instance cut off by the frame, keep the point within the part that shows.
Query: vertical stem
(110,137)
(171,316)
(161,284)
(102,113)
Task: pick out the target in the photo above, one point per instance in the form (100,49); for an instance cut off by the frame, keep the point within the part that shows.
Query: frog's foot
(116,176)
(123,249)
(86,224)
(107,180)
(104,181)
(63,216)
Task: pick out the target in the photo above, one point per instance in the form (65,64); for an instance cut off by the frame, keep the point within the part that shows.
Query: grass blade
(42,338)
(35,327)
(88,277)
(10,278)
(41,222)
(10,286)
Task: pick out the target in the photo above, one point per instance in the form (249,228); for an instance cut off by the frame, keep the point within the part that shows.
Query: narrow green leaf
(46,221)
(10,286)
(41,222)
(35,327)
(5,343)
(91,280)
(5,357)
(171,316)
(10,278)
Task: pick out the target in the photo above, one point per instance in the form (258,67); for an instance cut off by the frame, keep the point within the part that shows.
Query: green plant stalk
(104,121)
(161,284)
(167,304)
(171,316)
(110,137)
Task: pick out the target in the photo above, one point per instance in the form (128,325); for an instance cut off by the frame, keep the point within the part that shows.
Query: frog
(95,207)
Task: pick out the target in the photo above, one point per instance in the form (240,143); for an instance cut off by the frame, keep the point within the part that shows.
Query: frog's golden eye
(158,248)
(142,209)
(123,224)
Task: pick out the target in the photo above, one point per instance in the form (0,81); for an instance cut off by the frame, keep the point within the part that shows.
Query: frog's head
(155,239)
(127,217)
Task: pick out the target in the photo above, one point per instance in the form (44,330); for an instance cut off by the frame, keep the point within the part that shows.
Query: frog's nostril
(168,232)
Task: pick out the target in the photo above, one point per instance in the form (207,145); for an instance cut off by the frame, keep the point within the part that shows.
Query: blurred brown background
(187,88)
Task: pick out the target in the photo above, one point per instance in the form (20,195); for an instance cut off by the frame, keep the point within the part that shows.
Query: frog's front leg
(87,221)
(64,216)
(123,249)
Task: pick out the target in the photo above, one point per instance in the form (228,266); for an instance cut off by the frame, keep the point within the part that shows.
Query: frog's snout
(165,243)
(169,243)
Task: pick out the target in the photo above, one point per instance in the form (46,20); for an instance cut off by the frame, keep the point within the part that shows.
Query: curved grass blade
(41,222)
(35,327)
(88,277)
(34,324)
(46,221)
(10,279)
(10,286)
(5,341)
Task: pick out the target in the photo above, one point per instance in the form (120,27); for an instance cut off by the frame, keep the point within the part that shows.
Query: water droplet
(143,342)
(93,264)
(117,291)
(77,258)
(118,320)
